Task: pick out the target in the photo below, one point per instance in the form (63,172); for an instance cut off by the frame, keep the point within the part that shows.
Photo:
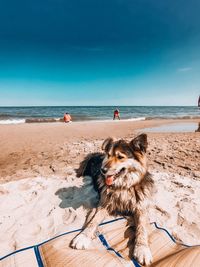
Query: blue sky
(116,52)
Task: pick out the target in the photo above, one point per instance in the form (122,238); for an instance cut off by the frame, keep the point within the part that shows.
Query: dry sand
(41,197)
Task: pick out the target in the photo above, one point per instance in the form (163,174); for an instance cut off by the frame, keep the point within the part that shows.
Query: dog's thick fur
(120,176)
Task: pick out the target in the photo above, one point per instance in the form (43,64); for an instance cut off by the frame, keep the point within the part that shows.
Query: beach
(41,196)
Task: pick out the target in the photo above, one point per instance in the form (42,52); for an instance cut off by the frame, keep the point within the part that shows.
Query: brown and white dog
(124,184)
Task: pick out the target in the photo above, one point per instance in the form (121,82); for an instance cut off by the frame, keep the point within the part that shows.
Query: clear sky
(99,52)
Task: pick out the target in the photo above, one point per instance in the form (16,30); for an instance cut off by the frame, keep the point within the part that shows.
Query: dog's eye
(120,157)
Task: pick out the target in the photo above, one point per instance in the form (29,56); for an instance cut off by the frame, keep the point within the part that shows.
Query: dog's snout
(104,170)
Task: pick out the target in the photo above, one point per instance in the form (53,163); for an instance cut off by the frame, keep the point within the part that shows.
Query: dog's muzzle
(109,179)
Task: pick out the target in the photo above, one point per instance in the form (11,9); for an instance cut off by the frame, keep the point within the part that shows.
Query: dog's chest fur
(125,199)
(118,200)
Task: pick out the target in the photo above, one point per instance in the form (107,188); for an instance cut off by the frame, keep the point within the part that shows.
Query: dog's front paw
(81,241)
(143,254)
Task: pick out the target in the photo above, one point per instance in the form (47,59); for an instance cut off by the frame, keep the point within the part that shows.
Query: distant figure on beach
(198,129)
(116,114)
(67,117)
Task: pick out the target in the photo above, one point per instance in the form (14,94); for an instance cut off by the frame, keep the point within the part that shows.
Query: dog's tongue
(109,179)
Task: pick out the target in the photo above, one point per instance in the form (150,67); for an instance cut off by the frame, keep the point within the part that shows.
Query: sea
(15,115)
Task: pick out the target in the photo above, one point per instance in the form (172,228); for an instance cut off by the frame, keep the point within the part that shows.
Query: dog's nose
(103,170)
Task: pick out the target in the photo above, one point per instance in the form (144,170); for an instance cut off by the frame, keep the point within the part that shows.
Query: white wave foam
(136,119)
(18,121)
(125,120)
(111,120)
(13,121)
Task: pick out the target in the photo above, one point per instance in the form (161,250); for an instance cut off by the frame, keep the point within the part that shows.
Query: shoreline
(59,121)
(19,121)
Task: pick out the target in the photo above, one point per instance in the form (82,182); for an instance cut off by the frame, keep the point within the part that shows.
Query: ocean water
(9,115)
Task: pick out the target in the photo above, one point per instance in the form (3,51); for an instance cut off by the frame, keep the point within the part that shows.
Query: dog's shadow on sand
(75,197)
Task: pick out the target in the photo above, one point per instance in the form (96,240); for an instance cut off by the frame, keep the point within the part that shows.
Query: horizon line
(22,106)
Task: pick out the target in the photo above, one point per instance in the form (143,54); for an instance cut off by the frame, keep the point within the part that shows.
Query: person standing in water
(116,114)
(67,117)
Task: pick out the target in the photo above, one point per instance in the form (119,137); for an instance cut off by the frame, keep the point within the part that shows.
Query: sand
(41,197)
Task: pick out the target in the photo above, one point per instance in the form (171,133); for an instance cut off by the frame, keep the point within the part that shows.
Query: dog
(121,177)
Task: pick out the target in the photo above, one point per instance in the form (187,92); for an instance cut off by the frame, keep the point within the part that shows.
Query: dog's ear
(139,143)
(107,144)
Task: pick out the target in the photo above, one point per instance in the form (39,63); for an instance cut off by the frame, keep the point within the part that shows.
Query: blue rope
(16,251)
(172,238)
(106,245)
(38,256)
(135,263)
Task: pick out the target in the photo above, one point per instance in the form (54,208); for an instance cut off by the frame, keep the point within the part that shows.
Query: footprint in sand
(69,216)
(47,224)
(8,246)
(27,234)
(25,186)
(3,191)
(163,212)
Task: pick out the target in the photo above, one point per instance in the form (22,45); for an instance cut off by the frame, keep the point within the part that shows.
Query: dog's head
(125,162)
